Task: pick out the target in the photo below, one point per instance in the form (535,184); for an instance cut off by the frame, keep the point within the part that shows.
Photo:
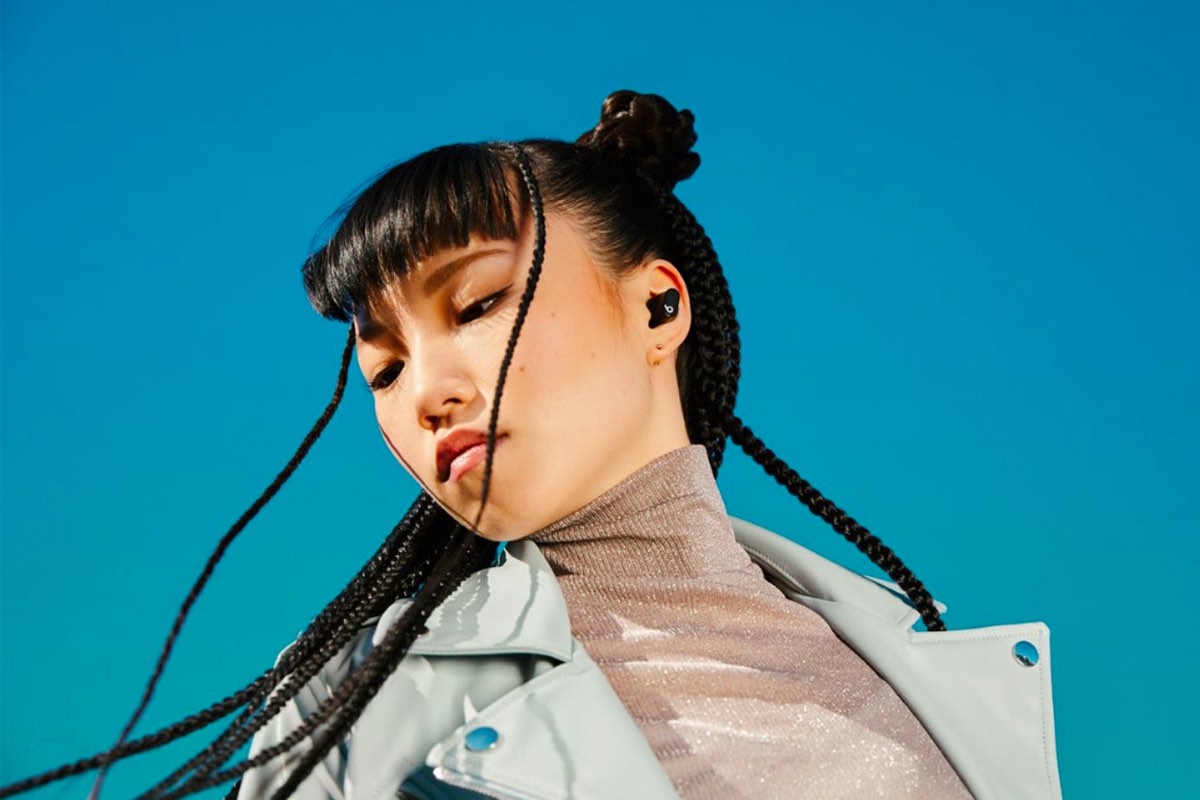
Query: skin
(591,394)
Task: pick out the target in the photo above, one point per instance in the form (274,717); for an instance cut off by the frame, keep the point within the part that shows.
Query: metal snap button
(482,739)
(1025,653)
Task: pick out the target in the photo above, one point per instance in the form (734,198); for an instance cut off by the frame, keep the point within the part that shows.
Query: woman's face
(590,395)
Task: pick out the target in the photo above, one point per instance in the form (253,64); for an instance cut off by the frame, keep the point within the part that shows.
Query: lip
(461,451)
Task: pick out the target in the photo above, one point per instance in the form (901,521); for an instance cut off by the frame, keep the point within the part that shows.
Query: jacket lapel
(516,607)
(557,734)
(563,734)
(989,711)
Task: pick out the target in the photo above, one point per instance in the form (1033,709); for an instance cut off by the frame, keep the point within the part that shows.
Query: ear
(662,341)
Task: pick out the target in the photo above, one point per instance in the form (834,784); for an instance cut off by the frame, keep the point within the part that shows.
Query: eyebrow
(372,328)
(442,275)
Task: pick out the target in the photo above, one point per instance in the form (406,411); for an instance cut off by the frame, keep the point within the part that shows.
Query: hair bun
(647,131)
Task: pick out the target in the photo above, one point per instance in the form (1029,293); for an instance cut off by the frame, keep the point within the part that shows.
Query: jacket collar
(951,679)
(516,607)
(801,571)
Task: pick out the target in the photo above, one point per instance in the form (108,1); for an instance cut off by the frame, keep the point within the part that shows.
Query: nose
(442,389)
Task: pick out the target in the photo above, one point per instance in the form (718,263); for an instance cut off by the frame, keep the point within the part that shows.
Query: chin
(499,527)
(495,536)
(497,524)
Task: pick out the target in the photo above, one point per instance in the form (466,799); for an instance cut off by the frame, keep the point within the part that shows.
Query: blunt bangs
(434,201)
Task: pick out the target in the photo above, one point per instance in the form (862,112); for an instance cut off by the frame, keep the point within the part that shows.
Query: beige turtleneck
(739,691)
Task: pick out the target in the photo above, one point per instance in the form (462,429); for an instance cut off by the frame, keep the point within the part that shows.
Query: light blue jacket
(499,700)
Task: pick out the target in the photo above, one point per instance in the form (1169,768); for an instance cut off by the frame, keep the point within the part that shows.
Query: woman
(567,610)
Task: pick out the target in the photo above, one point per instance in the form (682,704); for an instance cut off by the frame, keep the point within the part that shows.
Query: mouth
(453,470)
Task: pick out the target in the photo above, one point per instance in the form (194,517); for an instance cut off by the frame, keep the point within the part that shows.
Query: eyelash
(497,297)
(386,376)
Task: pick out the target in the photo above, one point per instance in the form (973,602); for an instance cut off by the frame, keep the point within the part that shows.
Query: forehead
(568,257)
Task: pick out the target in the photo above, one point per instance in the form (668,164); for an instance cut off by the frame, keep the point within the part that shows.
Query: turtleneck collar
(665,519)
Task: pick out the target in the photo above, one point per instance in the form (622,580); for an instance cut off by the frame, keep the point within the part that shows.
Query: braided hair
(619,179)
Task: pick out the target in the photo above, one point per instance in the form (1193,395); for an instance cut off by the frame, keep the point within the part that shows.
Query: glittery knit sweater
(740,691)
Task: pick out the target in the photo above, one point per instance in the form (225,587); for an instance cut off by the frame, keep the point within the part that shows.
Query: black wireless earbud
(663,307)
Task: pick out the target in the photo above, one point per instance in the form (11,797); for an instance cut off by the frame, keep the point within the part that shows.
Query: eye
(386,376)
(477,310)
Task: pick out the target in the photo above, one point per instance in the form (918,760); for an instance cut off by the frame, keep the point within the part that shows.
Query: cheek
(391,429)
(398,427)
(574,367)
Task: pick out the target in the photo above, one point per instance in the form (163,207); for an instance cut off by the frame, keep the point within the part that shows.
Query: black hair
(618,179)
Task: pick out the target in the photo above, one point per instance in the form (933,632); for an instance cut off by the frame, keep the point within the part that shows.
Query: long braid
(349,699)
(429,554)
(398,578)
(535,272)
(844,524)
(464,559)
(398,543)
(254,693)
(461,561)
(378,580)
(719,349)
(226,706)
(152,741)
(717,332)
(360,593)
(251,694)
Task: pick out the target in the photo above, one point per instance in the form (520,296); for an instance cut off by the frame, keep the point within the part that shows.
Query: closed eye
(477,310)
(386,376)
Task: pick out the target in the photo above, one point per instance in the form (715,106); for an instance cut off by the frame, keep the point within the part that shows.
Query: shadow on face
(586,400)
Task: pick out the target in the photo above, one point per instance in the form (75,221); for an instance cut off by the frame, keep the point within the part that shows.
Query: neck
(666,519)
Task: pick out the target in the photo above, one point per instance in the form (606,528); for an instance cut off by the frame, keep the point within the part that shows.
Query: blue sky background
(962,242)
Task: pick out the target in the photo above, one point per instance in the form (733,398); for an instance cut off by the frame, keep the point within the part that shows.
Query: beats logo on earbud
(663,307)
